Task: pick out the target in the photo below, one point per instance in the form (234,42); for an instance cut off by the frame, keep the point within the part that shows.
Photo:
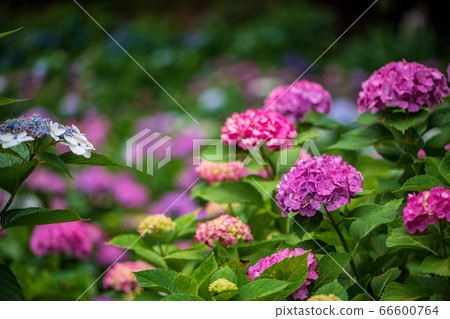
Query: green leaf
(361,138)
(400,292)
(247,249)
(56,161)
(158,279)
(261,185)
(149,255)
(330,267)
(37,216)
(402,120)
(263,289)
(444,169)
(361,228)
(9,287)
(6,101)
(182,297)
(94,160)
(230,192)
(238,268)
(308,224)
(225,295)
(125,241)
(439,117)
(187,284)
(206,268)
(225,272)
(189,254)
(377,213)
(419,183)
(184,222)
(293,269)
(432,165)
(400,238)
(436,265)
(13,176)
(306,135)
(378,283)
(333,288)
(368,118)
(5,34)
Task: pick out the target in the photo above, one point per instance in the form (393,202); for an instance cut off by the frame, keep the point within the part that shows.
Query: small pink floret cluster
(120,277)
(408,85)
(264,263)
(294,102)
(226,229)
(321,180)
(426,208)
(254,127)
(219,172)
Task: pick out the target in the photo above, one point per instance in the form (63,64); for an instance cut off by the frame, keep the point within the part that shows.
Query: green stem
(266,164)
(160,246)
(344,243)
(10,200)
(444,249)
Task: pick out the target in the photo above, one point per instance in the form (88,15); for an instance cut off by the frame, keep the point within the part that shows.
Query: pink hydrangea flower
(264,263)
(128,192)
(252,128)
(296,101)
(408,85)
(121,276)
(73,238)
(325,179)
(106,254)
(219,172)
(447,147)
(94,179)
(421,154)
(226,229)
(44,180)
(426,208)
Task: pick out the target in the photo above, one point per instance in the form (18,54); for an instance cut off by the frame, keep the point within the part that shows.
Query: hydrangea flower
(156,224)
(264,263)
(222,285)
(71,238)
(93,179)
(254,127)
(421,154)
(218,172)
(173,204)
(225,229)
(44,180)
(128,192)
(408,85)
(106,255)
(323,297)
(321,180)
(294,102)
(121,276)
(426,208)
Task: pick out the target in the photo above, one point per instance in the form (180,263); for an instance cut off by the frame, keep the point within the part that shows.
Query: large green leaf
(439,117)
(56,161)
(263,289)
(94,160)
(444,169)
(187,284)
(158,279)
(402,120)
(9,287)
(378,283)
(247,249)
(230,192)
(400,238)
(149,255)
(263,186)
(361,138)
(37,216)
(419,183)
(189,254)
(400,292)
(225,272)
(206,268)
(301,224)
(361,228)
(13,176)
(376,213)
(293,269)
(329,267)
(184,222)
(125,241)
(333,288)
(436,265)
(182,297)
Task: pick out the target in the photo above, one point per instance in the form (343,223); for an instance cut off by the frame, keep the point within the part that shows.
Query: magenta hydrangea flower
(426,208)
(296,101)
(421,154)
(128,192)
(106,254)
(250,129)
(321,180)
(73,238)
(121,276)
(264,263)
(225,229)
(408,85)
(219,172)
(44,180)
(93,179)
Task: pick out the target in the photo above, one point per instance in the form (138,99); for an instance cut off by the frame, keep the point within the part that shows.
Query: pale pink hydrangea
(426,208)
(218,172)
(264,263)
(294,102)
(254,127)
(121,276)
(225,229)
(73,238)
(408,85)
(421,154)
(321,180)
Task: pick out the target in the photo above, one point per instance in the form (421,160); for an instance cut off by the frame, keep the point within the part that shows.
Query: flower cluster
(226,229)
(295,101)
(120,277)
(222,285)
(25,129)
(254,127)
(73,238)
(156,224)
(323,297)
(408,85)
(325,179)
(426,208)
(264,263)
(219,172)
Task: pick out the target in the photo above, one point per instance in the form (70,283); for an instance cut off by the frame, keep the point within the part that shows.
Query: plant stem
(266,164)
(344,243)
(160,246)
(10,200)
(444,249)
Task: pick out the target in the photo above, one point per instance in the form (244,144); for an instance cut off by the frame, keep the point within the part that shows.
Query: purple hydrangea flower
(93,180)
(107,255)
(44,180)
(128,192)
(408,85)
(321,180)
(173,204)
